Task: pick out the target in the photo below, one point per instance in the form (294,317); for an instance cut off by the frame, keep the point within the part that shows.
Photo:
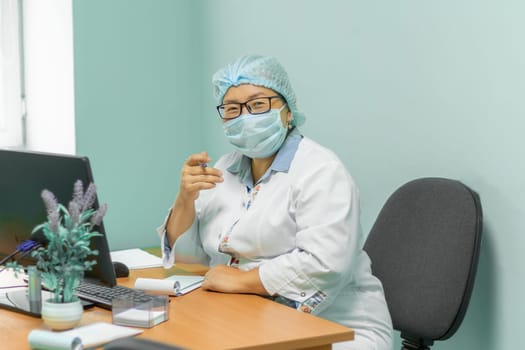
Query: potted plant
(62,262)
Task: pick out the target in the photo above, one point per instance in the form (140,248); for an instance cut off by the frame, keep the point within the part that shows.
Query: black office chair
(424,248)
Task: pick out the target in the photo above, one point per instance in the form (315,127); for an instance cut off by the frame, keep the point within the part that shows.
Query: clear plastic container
(145,312)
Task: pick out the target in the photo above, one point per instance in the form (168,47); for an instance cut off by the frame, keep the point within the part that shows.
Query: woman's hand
(197,176)
(227,279)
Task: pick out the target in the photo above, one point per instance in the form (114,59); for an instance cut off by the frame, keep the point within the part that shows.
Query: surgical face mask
(256,136)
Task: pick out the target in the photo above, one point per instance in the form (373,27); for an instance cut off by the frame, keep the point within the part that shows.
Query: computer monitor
(23,176)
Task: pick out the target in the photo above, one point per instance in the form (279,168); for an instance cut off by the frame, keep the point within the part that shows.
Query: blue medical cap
(261,71)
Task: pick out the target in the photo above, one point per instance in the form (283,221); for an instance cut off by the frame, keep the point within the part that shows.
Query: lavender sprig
(96,219)
(74,212)
(78,192)
(50,201)
(89,197)
(54,221)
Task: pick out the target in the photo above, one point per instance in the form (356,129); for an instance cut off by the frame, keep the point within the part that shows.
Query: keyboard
(102,295)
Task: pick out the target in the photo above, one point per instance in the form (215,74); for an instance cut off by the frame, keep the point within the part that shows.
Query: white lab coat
(302,229)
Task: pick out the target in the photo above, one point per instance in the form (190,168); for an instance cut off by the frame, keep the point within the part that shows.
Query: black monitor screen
(23,176)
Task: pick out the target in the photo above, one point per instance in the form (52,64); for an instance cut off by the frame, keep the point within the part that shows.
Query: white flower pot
(60,316)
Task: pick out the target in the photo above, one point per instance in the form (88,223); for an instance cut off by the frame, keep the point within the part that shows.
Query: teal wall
(137,91)
(398,89)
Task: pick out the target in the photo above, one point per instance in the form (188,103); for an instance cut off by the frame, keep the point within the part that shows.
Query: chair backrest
(424,247)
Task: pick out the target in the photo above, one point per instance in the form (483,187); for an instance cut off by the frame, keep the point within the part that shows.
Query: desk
(204,320)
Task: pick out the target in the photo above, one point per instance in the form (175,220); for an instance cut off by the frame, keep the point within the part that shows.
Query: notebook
(23,177)
(89,336)
(176,285)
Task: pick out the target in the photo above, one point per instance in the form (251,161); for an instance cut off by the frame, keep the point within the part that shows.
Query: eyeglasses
(254,106)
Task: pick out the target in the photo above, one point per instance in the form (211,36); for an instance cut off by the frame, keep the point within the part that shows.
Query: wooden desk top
(207,321)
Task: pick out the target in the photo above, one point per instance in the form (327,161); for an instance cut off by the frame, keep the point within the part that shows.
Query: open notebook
(174,285)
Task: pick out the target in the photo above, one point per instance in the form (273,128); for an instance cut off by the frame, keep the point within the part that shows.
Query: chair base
(410,346)
(415,344)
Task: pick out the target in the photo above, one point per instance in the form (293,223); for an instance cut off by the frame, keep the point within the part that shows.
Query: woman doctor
(278,217)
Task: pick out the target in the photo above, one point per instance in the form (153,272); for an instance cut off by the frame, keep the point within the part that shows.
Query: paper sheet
(136,258)
(8,279)
(140,318)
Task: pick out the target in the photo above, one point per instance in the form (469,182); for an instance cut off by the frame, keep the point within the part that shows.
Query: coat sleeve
(187,249)
(328,238)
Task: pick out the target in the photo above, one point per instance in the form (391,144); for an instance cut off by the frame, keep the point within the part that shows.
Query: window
(37,110)
(49,75)
(11,131)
